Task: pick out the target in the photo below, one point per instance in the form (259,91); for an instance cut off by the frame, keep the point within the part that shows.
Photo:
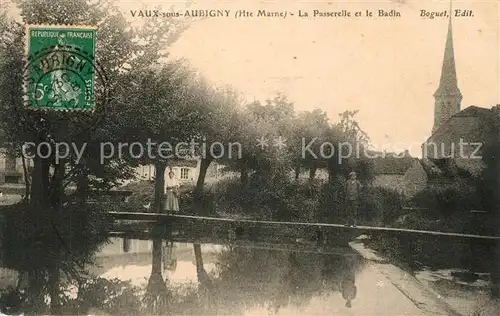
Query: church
(452,152)
(457,136)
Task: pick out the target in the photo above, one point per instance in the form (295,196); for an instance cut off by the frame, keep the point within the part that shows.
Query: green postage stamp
(60,69)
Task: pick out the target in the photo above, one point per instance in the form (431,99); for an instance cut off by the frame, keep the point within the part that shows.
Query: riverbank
(447,288)
(422,297)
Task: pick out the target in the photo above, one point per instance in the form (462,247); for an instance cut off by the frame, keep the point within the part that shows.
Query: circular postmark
(63,87)
(61,77)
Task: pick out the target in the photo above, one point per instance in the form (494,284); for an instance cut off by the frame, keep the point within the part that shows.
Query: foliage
(39,241)
(489,185)
(377,205)
(445,200)
(381,204)
(283,198)
(114,297)
(121,49)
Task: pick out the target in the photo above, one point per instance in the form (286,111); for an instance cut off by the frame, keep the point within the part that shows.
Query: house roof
(450,169)
(392,164)
(431,169)
(183,163)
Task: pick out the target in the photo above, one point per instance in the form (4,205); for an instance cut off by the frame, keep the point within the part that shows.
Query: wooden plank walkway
(174,217)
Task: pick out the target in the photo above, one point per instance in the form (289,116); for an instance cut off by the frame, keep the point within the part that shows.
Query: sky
(387,68)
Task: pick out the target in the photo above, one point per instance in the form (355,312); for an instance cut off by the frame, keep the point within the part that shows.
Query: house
(399,172)
(186,171)
(11,169)
(445,172)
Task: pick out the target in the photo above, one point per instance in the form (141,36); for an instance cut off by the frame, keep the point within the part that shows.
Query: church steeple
(447,96)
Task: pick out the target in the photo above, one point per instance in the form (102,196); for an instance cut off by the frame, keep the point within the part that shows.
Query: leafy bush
(114,297)
(381,204)
(266,197)
(37,239)
(445,200)
(376,203)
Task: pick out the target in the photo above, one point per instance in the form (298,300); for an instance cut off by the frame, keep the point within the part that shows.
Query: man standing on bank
(352,195)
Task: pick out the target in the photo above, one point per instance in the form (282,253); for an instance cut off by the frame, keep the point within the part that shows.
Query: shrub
(375,203)
(445,200)
(37,239)
(381,204)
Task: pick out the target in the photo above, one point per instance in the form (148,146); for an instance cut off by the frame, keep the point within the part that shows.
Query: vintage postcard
(250,157)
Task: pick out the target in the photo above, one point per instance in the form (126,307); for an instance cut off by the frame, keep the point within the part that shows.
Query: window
(12,179)
(184,173)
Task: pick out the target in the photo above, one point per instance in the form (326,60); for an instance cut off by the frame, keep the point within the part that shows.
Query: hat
(352,173)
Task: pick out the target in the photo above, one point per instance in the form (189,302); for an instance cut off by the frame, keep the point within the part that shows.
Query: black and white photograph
(250,157)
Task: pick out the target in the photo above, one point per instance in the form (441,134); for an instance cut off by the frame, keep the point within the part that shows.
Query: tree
(259,129)
(310,142)
(354,150)
(219,127)
(121,49)
(489,187)
(165,108)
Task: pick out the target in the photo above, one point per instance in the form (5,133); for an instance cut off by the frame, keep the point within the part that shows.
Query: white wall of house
(185,174)
(12,168)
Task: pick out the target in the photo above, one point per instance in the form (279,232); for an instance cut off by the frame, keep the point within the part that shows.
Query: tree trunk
(26,180)
(312,172)
(55,300)
(56,185)
(200,270)
(35,294)
(297,173)
(82,188)
(244,174)
(198,191)
(157,256)
(205,163)
(159,186)
(156,289)
(40,183)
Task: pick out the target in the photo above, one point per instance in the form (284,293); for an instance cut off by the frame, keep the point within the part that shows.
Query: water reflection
(48,250)
(145,277)
(230,280)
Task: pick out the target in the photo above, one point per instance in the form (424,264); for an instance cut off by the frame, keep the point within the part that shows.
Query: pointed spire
(448,82)
(447,96)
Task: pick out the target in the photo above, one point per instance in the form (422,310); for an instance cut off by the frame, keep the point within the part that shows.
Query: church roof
(454,123)
(448,82)
(473,111)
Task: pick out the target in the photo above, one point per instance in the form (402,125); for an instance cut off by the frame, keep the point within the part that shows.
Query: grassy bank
(448,209)
(279,199)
